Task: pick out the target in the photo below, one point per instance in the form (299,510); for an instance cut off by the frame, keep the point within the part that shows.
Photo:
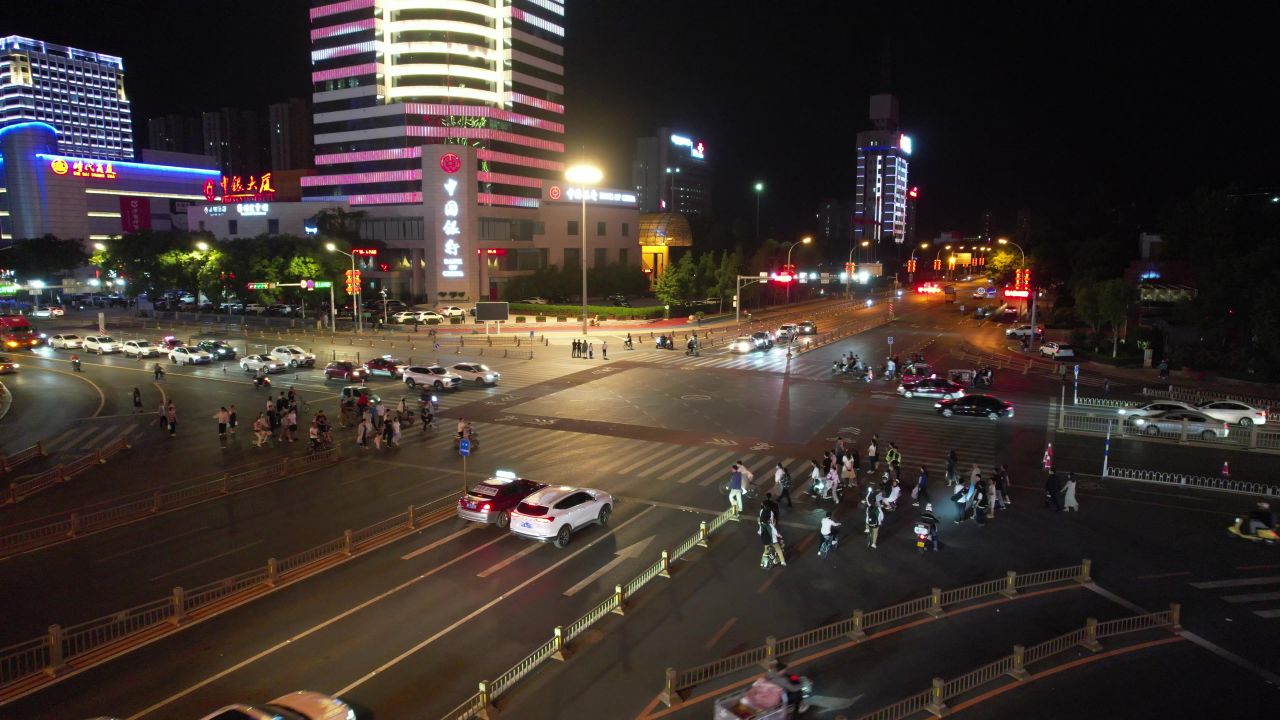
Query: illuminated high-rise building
(79,93)
(392,76)
(880,203)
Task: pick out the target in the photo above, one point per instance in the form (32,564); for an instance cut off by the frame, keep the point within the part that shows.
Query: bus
(16,333)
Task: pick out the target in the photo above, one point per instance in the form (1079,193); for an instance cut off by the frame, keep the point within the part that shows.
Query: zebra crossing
(1244,592)
(774,360)
(89,435)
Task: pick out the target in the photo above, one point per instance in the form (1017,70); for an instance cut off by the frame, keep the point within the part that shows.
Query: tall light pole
(584,176)
(356,313)
(1030,291)
(759,187)
(671,185)
(786,268)
(848,283)
(911,276)
(39,286)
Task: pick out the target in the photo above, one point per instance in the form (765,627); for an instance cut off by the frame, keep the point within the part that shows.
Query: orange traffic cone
(1226,470)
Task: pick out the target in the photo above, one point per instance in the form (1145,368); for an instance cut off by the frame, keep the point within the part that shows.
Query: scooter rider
(691,347)
(75,363)
(828,529)
(931,521)
(1260,519)
(791,688)
(628,342)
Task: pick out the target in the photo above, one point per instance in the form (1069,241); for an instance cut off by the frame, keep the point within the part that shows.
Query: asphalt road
(409,629)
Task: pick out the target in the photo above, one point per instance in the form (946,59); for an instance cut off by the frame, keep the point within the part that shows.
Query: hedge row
(573,311)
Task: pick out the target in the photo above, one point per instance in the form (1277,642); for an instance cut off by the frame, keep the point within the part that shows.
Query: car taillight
(486,506)
(543,519)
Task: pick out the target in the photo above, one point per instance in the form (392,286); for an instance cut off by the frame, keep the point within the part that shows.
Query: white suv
(293,356)
(553,514)
(431,376)
(101,344)
(452,311)
(139,349)
(183,355)
(1057,351)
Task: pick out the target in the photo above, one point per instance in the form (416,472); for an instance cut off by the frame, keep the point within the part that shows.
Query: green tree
(1089,309)
(676,285)
(37,258)
(1114,299)
(1002,264)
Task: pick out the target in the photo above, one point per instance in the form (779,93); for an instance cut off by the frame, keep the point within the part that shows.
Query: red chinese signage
(238,188)
(365,252)
(83,168)
(135,214)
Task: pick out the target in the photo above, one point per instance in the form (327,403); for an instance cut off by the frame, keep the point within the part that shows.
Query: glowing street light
(584,176)
(792,246)
(759,188)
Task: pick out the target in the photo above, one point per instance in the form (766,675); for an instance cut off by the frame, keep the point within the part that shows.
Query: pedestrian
(436,345)
(894,458)
(171,417)
(604,349)
(1052,489)
(137,400)
(921,490)
(395,432)
(975,474)
(291,423)
(748,477)
(388,432)
(875,515)
(992,497)
(158,372)
(591,351)
(857,463)
(735,490)
(223,416)
(1164,369)
(1106,387)
(772,541)
(231,419)
(848,471)
(1005,500)
(160,412)
(768,509)
(261,431)
(1069,494)
(953,466)
(873,455)
(363,428)
(782,479)
(573,349)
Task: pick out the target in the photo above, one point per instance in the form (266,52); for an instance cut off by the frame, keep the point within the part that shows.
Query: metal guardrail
(854,627)
(1199,481)
(46,531)
(940,691)
(22,489)
(31,662)
(557,647)
(1104,402)
(10,462)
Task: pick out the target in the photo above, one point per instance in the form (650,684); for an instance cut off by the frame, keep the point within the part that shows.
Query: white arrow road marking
(533,547)
(629,552)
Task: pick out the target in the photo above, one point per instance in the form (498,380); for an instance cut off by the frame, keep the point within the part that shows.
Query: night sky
(1027,106)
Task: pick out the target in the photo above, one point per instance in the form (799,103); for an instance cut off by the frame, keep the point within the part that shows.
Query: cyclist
(829,532)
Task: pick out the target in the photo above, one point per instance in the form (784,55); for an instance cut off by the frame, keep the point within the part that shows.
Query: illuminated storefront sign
(575,194)
(364,252)
(215,210)
(904,144)
(452,250)
(240,187)
(253,209)
(83,168)
(450,163)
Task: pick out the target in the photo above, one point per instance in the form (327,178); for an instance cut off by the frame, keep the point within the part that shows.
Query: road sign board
(464,447)
(890,339)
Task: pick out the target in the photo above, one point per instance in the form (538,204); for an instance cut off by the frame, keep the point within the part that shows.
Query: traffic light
(786,275)
(353,282)
(849,269)
(911,265)
(937,264)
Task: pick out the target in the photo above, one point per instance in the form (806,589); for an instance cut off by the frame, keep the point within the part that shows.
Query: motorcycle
(472,436)
(748,490)
(818,491)
(1266,535)
(75,364)
(925,539)
(766,699)
(262,381)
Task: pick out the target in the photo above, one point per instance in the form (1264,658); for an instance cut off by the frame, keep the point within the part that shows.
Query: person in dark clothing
(768,509)
(1052,489)
(953,462)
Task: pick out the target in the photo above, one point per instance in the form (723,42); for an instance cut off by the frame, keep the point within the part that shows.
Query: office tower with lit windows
(880,203)
(392,76)
(671,174)
(79,93)
(289,134)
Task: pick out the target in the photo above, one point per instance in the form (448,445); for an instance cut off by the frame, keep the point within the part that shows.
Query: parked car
(49,311)
(435,376)
(255,308)
(405,316)
(293,356)
(808,327)
(345,370)
(1023,331)
(189,356)
(386,365)
(1057,351)
(477,373)
(219,349)
(554,514)
(66,342)
(263,363)
(1171,423)
(7,365)
(931,387)
(536,301)
(979,405)
(140,349)
(1233,412)
(301,705)
(101,344)
(452,311)
(492,501)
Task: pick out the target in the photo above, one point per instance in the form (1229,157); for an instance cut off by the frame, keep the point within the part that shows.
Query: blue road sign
(464,447)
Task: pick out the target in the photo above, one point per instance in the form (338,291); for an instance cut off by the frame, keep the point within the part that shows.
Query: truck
(17,333)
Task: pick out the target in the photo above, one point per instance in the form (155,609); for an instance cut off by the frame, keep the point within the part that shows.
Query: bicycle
(749,490)
(829,543)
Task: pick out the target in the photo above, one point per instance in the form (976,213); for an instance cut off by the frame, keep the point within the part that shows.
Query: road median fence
(28,666)
(677,683)
(481,704)
(1253,438)
(1198,481)
(25,488)
(47,531)
(9,463)
(933,701)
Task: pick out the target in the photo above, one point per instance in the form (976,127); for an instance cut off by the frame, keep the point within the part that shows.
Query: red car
(917,371)
(385,365)
(493,500)
(344,370)
(168,343)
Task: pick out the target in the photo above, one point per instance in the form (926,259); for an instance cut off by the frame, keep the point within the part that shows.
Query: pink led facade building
(389,77)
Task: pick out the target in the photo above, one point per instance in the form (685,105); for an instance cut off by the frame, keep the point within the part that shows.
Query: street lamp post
(585,176)
(671,186)
(1031,291)
(39,286)
(792,246)
(357,316)
(759,187)
(911,276)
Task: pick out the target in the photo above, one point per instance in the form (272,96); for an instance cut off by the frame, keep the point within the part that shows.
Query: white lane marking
(432,546)
(162,541)
(503,563)
(209,559)
(1267,613)
(310,631)
(629,552)
(483,608)
(716,456)
(1251,597)
(661,459)
(1239,582)
(54,444)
